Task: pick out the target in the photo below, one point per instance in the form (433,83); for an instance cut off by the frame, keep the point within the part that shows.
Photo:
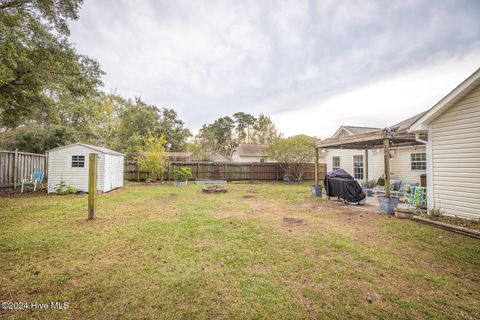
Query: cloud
(210,58)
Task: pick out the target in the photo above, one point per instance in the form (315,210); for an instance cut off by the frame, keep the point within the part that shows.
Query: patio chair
(417,197)
(35,178)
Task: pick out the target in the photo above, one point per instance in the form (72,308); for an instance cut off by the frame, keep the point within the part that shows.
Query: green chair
(417,197)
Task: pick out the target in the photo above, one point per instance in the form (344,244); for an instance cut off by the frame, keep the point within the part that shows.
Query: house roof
(450,99)
(405,124)
(353,130)
(250,149)
(179,154)
(96,148)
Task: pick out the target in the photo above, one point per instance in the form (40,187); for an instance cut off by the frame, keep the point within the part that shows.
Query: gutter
(418,139)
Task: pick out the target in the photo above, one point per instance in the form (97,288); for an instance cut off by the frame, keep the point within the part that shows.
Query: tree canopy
(293,154)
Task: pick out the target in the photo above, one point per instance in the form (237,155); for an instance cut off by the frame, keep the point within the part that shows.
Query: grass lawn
(175,253)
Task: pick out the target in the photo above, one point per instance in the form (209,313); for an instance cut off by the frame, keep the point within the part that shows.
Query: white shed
(70,164)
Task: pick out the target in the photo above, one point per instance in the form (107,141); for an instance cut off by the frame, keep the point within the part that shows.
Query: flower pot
(388,205)
(317,191)
(180,183)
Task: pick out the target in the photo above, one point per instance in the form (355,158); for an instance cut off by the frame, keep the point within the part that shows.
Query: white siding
(238,158)
(60,168)
(110,169)
(400,164)
(456,158)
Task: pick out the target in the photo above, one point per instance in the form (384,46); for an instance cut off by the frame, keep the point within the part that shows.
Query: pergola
(387,138)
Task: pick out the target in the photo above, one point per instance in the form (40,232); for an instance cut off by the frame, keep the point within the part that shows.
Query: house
(210,156)
(249,152)
(70,164)
(453,150)
(179,156)
(408,163)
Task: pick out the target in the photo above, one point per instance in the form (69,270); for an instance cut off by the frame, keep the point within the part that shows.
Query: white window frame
(78,160)
(418,161)
(333,163)
(358,167)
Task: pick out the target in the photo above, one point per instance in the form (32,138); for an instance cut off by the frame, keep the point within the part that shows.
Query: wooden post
(15,169)
(226,167)
(92,185)
(198,170)
(366,165)
(138,171)
(276,171)
(169,169)
(251,171)
(316,166)
(386,150)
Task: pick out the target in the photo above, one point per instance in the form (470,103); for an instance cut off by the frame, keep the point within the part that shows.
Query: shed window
(358,167)
(418,161)
(335,162)
(78,161)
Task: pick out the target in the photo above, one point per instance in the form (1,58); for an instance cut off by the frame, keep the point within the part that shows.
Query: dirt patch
(290,220)
(248,197)
(18,194)
(460,222)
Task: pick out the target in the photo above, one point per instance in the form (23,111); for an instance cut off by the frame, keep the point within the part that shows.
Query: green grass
(175,253)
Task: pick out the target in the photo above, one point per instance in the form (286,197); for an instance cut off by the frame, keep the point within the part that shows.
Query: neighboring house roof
(179,156)
(450,99)
(353,130)
(96,148)
(250,149)
(405,124)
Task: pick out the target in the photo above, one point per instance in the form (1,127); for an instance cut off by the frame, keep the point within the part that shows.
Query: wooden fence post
(138,171)
(92,185)
(198,170)
(226,175)
(251,171)
(15,169)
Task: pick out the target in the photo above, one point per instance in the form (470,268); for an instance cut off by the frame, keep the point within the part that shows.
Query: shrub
(182,174)
(63,188)
(151,157)
(381,181)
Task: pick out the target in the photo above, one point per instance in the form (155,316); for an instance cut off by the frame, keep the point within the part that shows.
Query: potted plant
(387,203)
(317,190)
(368,186)
(181,176)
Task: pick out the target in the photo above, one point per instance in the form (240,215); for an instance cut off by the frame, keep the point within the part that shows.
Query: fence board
(231,171)
(21,167)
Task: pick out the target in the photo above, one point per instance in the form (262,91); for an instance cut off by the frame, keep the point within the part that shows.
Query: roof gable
(95,148)
(446,102)
(352,130)
(250,149)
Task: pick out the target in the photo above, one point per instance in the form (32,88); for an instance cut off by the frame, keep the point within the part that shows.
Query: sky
(310,65)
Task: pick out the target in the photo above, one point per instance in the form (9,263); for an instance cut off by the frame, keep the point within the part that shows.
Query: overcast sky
(311,65)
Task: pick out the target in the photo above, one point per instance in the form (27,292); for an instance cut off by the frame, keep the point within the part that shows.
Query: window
(78,161)
(418,161)
(358,167)
(335,162)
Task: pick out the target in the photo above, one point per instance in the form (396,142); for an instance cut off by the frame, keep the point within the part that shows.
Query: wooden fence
(230,171)
(15,166)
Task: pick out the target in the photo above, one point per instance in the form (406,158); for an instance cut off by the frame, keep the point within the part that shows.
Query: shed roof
(96,148)
(250,149)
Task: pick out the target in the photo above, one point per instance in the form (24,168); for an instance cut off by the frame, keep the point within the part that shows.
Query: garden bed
(456,221)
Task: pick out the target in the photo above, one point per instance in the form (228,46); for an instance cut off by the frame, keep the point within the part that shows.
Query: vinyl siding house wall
(400,165)
(453,127)
(70,164)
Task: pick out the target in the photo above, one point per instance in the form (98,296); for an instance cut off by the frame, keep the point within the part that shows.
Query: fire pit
(214,189)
